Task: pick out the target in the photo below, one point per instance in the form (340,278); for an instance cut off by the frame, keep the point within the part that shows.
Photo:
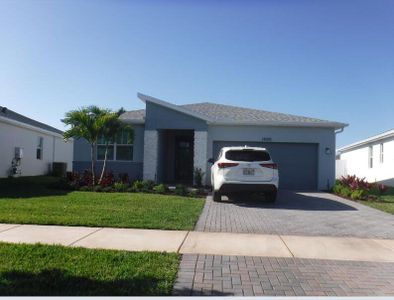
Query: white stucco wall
(324,137)
(151,143)
(357,162)
(200,151)
(26,137)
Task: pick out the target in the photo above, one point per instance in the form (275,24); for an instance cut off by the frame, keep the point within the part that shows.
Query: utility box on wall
(59,169)
(18,152)
(16,169)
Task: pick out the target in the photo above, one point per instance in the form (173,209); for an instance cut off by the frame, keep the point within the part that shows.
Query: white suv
(244,169)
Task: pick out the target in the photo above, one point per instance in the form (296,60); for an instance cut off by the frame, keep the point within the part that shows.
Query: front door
(184,159)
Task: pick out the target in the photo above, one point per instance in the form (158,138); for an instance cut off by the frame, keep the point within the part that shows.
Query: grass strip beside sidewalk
(40,270)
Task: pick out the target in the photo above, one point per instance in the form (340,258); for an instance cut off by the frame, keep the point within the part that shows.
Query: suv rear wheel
(217,197)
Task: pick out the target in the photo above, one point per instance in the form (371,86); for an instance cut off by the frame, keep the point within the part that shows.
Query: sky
(332,60)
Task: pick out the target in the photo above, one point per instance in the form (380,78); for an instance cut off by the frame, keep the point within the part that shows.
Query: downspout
(340,130)
(53,151)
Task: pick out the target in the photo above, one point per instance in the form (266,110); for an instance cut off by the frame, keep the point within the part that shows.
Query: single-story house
(171,140)
(29,147)
(372,158)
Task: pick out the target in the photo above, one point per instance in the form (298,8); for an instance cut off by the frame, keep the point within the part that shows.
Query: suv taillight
(223,165)
(271,166)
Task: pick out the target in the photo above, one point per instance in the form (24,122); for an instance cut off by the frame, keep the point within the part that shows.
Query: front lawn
(30,201)
(385,203)
(39,270)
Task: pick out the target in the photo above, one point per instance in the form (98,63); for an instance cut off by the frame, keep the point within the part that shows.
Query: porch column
(151,143)
(200,152)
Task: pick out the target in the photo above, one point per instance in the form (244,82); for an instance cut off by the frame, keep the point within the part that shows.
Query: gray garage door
(297,162)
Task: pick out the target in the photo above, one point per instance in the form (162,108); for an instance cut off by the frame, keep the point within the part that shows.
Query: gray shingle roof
(134,115)
(221,112)
(10,114)
(227,114)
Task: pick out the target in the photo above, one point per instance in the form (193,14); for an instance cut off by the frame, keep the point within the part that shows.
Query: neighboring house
(171,140)
(372,158)
(30,146)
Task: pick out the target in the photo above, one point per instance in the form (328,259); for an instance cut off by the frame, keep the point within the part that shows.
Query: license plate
(248,171)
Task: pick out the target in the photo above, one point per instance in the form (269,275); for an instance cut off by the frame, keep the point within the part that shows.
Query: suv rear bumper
(239,187)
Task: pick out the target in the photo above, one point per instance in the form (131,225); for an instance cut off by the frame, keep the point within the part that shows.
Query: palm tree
(86,123)
(111,127)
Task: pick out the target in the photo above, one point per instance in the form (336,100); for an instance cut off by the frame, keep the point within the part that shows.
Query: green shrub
(130,190)
(346,192)
(86,188)
(181,190)
(341,190)
(193,193)
(147,185)
(161,188)
(201,191)
(60,184)
(138,185)
(357,189)
(97,188)
(374,190)
(337,188)
(120,187)
(107,189)
(358,194)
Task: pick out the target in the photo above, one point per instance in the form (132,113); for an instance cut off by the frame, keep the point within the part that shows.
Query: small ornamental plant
(358,188)
(120,187)
(161,188)
(121,183)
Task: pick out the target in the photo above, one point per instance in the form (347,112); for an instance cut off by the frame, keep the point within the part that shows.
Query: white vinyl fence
(340,168)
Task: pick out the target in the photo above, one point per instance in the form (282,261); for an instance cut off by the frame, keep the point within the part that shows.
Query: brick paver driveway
(319,214)
(311,214)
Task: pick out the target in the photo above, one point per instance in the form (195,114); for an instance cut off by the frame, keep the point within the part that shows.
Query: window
(381,158)
(101,146)
(247,155)
(120,149)
(40,146)
(124,145)
(370,157)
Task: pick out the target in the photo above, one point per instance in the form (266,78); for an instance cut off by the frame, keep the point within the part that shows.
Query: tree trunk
(104,164)
(93,163)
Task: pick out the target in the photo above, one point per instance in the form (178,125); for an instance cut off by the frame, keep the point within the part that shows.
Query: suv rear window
(247,155)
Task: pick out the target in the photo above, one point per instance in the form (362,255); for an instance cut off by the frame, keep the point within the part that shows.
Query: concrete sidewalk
(185,242)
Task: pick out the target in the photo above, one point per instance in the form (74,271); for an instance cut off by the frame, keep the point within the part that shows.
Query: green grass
(38,270)
(385,203)
(29,201)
